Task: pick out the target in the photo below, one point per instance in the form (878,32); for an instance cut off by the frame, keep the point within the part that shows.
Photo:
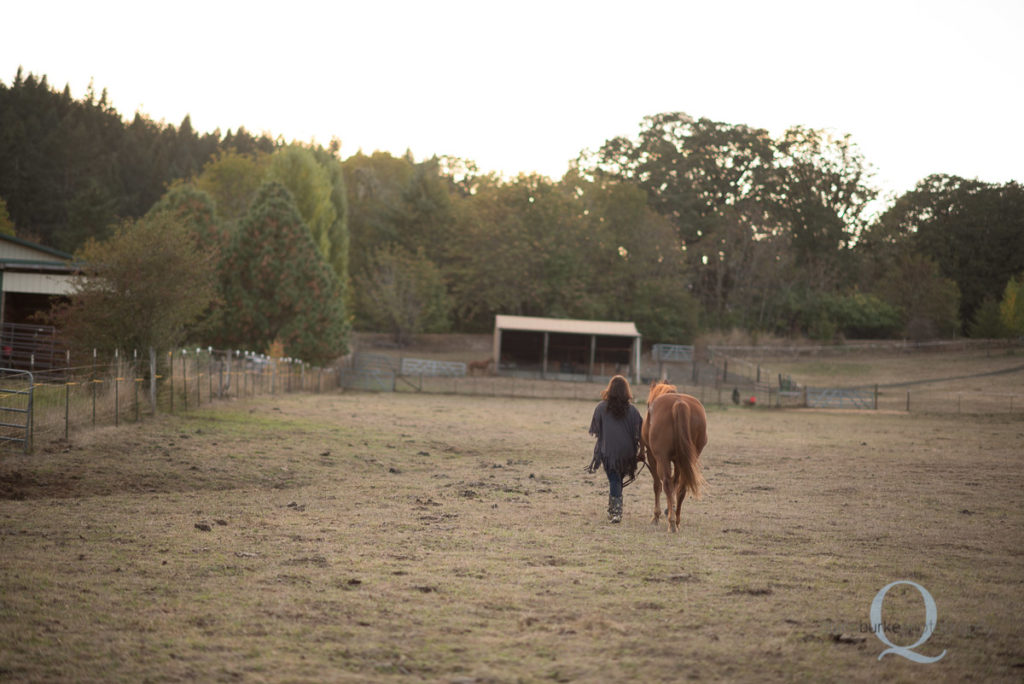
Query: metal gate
(16,388)
(841,397)
(374,372)
(680,353)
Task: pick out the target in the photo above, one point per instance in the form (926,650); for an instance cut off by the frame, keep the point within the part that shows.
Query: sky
(525,86)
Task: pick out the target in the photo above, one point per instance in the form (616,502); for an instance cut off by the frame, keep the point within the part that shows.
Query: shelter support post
(636,360)
(593,355)
(496,349)
(544,360)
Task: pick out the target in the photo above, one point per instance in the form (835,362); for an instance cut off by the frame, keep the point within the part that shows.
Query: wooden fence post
(170,372)
(184,377)
(93,383)
(152,380)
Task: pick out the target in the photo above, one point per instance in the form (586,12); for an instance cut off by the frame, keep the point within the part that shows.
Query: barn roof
(566,325)
(29,268)
(16,251)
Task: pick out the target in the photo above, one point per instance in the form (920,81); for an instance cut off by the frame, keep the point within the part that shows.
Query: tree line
(690,225)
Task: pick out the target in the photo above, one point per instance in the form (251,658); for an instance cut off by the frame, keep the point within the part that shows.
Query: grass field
(977,381)
(362,537)
(969,371)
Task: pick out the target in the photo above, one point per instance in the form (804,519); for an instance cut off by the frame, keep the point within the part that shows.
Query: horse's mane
(658,389)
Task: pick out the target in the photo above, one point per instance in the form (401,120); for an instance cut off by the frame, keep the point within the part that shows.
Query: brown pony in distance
(674,434)
(483,365)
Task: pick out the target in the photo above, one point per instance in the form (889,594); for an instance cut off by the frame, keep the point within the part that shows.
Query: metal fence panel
(372,372)
(682,353)
(430,367)
(371,379)
(16,394)
(841,397)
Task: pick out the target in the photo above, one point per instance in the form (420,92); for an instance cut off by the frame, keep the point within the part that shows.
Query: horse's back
(661,418)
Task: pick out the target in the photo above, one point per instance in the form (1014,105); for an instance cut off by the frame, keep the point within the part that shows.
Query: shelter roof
(566,325)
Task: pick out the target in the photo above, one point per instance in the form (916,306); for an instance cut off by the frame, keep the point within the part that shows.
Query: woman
(616,424)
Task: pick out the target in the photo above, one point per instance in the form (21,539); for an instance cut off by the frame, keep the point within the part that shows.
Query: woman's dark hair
(617,396)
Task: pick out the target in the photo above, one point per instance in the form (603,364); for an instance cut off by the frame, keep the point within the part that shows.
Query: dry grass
(356,537)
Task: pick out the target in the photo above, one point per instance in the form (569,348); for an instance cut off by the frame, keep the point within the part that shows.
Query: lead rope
(643,464)
(626,483)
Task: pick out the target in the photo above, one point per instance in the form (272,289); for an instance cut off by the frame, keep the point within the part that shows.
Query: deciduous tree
(141,288)
(931,306)
(637,271)
(232,181)
(313,191)
(519,248)
(1011,307)
(402,293)
(820,191)
(974,231)
(6,224)
(197,211)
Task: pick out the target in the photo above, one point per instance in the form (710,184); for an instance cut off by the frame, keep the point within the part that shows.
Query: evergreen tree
(277,287)
(72,169)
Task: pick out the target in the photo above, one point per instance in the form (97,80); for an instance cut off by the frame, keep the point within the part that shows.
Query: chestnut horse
(674,434)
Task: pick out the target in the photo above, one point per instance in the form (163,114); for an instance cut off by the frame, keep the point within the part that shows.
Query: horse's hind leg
(657,490)
(680,495)
(670,497)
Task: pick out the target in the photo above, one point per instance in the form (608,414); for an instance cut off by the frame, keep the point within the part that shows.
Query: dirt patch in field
(370,537)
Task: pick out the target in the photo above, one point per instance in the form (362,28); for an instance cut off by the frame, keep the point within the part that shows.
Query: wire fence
(56,403)
(920,400)
(723,382)
(769,388)
(378,373)
(66,400)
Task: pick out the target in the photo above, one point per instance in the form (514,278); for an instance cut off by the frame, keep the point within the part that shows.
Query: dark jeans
(614,483)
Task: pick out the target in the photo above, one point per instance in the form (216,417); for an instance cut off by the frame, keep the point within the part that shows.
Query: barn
(566,349)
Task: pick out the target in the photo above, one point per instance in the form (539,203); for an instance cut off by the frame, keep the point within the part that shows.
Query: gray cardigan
(618,439)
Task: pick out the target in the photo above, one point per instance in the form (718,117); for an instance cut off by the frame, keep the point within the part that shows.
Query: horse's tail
(687,468)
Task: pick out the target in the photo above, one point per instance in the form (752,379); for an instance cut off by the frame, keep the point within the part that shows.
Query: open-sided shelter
(31,276)
(566,349)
